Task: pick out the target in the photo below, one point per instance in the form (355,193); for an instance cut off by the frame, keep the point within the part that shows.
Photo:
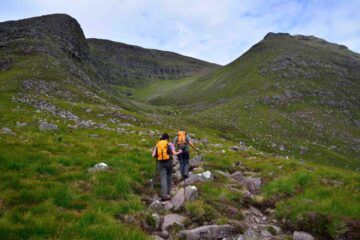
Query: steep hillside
(294,95)
(133,66)
(60,115)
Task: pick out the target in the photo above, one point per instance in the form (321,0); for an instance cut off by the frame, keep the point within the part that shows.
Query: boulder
(208,232)
(253,185)
(45,126)
(238,176)
(193,178)
(191,193)
(196,161)
(172,220)
(8,131)
(99,167)
(302,236)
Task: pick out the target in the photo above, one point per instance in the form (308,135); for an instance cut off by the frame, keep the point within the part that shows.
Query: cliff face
(134,66)
(56,35)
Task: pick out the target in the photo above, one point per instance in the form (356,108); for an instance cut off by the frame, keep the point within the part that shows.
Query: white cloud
(217,31)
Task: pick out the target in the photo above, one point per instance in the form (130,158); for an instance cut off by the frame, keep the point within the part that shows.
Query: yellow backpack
(163,152)
(181,140)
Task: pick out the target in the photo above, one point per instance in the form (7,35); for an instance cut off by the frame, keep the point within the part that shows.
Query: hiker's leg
(169,172)
(181,161)
(163,178)
(186,164)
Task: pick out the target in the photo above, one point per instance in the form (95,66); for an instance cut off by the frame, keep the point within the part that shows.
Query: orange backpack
(181,140)
(163,152)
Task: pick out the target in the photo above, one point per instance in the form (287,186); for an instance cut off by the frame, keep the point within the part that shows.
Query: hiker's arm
(154,152)
(192,145)
(173,150)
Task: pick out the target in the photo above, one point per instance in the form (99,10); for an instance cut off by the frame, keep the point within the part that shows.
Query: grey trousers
(184,164)
(165,169)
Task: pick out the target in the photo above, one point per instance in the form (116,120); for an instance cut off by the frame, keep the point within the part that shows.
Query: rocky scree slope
(293,95)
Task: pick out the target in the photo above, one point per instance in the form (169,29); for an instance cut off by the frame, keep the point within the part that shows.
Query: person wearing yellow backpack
(182,142)
(163,152)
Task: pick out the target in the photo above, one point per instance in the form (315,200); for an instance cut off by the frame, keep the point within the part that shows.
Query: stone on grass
(252,184)
(208,232)
(45,126)
(21,124)
(302,236)
(156,237)
(156,206)
(173,220)
(189,194)
(237,176)
(206,176)
(167,205)
(193,178)
(99,167)
(8,131)
(196,161)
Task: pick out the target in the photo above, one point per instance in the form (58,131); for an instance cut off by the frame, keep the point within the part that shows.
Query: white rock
(205,176)
(302,236)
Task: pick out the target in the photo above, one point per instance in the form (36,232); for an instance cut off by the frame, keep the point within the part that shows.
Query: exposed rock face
(63,30)
(133,65)
(208,232)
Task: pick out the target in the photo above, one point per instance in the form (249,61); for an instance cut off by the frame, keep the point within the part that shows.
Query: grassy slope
(232,100)
(46,191)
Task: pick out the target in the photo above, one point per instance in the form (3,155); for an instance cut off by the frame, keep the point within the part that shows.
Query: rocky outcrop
(129,65)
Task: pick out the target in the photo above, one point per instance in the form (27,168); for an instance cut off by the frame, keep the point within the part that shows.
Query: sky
(218,31)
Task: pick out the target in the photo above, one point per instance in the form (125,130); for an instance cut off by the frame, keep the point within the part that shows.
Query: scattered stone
(239,148)
(93,135)
(21,124)
(45,126)
(252,184)
(156,206)
(224,174)
(168,205)
(8,131)
(206,176)
(171,220)
(178,200)
(208,232)
(250,234)
(265,233)
(193,178)
(237,176)
(99,167)
(302,236)
(281,148)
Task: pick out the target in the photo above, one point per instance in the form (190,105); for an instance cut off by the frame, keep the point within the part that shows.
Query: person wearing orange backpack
(163,152)
(182,142)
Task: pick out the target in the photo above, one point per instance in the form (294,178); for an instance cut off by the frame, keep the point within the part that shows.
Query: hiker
(163,152)
(182,142)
